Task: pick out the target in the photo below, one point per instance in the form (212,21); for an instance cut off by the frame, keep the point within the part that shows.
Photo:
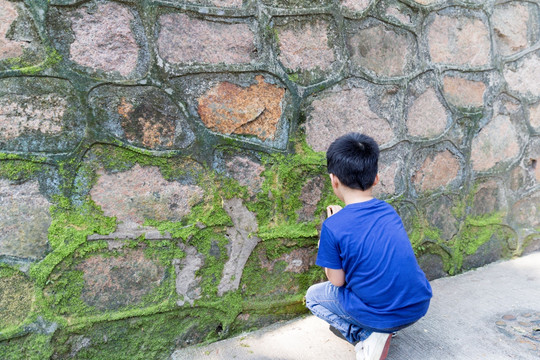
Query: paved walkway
(490,313)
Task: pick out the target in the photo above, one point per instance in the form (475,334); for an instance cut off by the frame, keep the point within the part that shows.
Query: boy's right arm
(332,209)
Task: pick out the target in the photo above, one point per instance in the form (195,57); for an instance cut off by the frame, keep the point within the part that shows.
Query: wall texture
(162,171)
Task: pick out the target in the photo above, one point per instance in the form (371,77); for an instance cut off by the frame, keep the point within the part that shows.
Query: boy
(375,285)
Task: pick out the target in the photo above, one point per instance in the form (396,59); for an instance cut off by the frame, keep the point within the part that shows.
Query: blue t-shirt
(384,286)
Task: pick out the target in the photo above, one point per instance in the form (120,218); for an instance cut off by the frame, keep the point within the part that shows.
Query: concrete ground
(490,313)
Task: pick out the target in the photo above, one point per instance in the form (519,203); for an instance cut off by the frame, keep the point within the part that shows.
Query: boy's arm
(335,276)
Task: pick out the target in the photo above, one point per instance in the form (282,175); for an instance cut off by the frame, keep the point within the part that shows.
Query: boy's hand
(332,209)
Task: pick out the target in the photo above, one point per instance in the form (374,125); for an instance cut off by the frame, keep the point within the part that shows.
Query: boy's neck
(352,196)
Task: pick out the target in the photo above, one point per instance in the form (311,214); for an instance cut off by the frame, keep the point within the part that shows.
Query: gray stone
(24,219)
(488,198)
(242,241)
(432,265)
(440,216)
(534,116)
(426,117)
(187,281)
(39,115)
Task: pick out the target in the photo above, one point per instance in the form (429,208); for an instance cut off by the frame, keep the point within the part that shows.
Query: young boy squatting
(375,285)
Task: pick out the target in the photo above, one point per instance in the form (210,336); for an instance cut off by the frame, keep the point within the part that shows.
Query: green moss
(30,347)
(27,68)
(19,170)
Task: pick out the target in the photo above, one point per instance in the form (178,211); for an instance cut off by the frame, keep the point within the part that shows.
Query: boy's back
(384,285)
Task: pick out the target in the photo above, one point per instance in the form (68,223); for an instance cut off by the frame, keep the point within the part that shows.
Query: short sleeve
(328,254)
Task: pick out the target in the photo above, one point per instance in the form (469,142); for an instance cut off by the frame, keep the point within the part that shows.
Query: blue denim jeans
(322,301)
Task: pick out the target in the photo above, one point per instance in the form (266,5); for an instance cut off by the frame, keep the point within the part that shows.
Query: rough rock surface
(464,93)
(436,171)
(242,243)
(142,193)
(8,48)
(231,109)
(184,40)
(332,116)
(496,142)
(24,219)
(427,116)
(104,40)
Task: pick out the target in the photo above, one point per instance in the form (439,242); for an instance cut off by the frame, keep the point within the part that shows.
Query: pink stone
(426,2)
(22,113)
(436,171)
(387,178)
(396,13)
(310,196)
(114,281)
(104,39)
(8,14)
(188,40)
(355,5)
(24,219)
(381,50)
(459,40)
(464,93)
(246,172)
(509,23)
(142,193)
(304,45)
(534,116)
(332,116)
(526,212)
(496,142)
(427,116)
(523,78)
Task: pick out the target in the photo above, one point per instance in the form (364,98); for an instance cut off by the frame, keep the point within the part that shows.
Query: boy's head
(353,159)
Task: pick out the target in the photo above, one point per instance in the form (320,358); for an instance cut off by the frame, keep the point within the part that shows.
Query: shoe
(359,348)
(376,346)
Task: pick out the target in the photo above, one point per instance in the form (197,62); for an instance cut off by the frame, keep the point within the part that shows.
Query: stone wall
(162,170)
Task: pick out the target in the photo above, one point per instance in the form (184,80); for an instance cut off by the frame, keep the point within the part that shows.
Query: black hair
(354,158)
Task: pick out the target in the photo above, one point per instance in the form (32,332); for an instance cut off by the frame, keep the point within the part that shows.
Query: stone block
(187,40)
(397,12)
(243,167)
(9,48)
(356,5)
(464,93)
(426,117)
(113,282)
(432,265)
(510,23)
(532,159)
(438,169)
(142,193)
(488,198)
(534,116)
(298,260)
(241,245)
(103,38)
(495,249)
(495,143)
(296,4)
(256,110)
(39,115)
(310,196)
(219,3)
(382,49)
(187,281)
(525,213)
(143,116)
(16,298)
(458,40)
(440,216)
(521,76)
(24,219)
(343,109)
(20,44)
(391,167)
(305,45)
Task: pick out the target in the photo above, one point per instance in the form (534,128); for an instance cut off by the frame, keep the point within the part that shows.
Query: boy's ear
(376,180)
(334,180)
